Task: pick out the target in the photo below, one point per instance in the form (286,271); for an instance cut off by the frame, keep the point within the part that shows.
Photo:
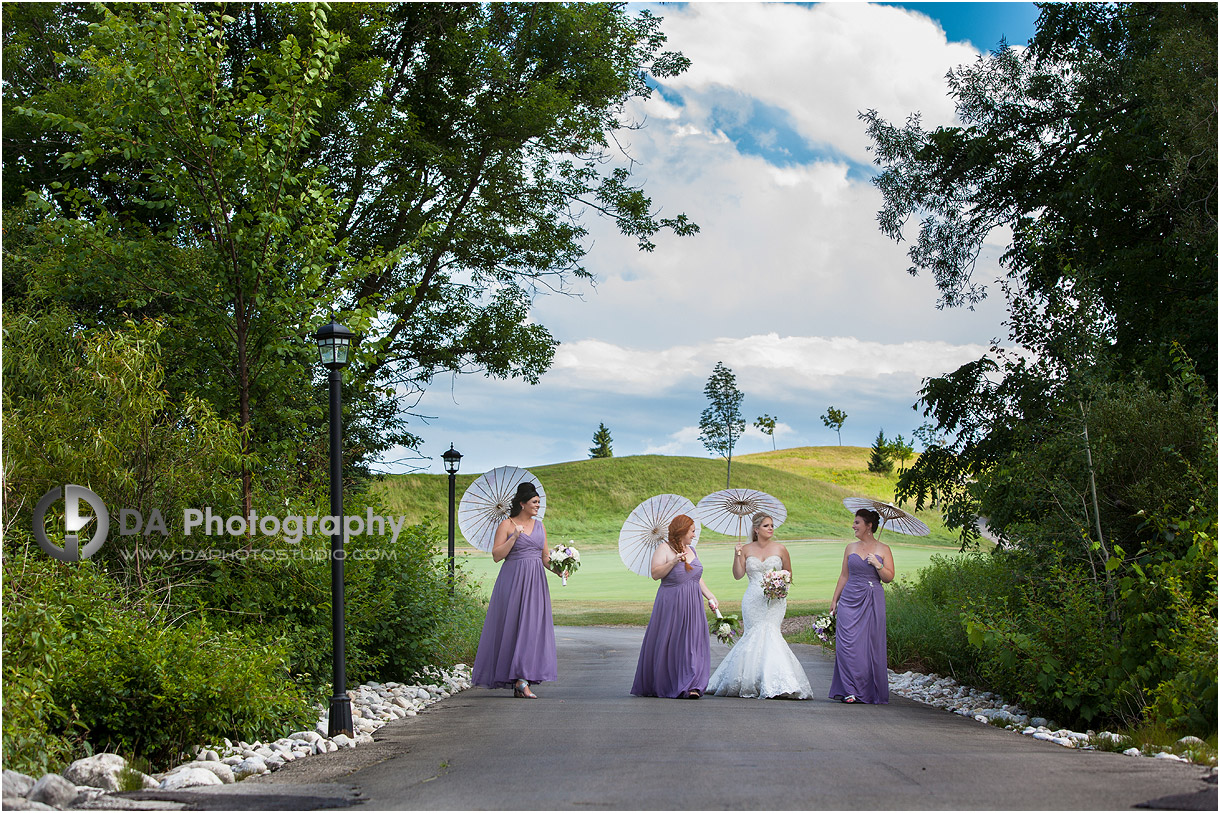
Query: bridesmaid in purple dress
(517,646)
(675,658)
(859,606)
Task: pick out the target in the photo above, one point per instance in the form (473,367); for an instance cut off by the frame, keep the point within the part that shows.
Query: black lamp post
(453,459)
(334,341)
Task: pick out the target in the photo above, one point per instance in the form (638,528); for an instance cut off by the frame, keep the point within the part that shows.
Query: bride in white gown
(760,664)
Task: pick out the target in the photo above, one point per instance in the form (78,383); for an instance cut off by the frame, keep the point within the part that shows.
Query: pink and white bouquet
(565,560)
(775,584)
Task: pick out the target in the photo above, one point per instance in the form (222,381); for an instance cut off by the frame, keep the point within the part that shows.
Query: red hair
(677,529)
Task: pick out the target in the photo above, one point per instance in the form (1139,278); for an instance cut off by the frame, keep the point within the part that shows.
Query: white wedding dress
(760,664)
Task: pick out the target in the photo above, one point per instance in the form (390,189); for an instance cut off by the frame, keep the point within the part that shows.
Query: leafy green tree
(900,450)
(880,461)
(601,442)
(834,419)
(722,423)
(212,169)
(766,424)
(88,407)
(243,230)
(1077,146)
(1092,446)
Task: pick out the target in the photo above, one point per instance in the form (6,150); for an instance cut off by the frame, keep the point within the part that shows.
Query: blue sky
(789,282)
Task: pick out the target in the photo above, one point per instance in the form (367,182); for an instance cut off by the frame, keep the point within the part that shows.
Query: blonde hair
(756,521)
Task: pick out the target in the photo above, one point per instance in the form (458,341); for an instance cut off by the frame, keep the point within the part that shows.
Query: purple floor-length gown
(675,656)
(518,640)
(860,636)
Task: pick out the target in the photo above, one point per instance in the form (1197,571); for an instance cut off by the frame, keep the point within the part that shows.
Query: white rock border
(986,707)
(373,705)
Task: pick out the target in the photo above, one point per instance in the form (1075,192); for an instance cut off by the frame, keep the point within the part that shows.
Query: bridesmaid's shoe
(522,689)
(694,694)
(851,698)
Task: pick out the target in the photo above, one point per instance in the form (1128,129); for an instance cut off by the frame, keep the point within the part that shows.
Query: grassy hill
(588,500)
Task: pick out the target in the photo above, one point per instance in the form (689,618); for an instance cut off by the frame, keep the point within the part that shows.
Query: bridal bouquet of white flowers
(565,559)
(724,627)
(775,584)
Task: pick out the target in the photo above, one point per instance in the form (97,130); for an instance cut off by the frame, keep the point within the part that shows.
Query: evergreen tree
(880,462)
(601,442)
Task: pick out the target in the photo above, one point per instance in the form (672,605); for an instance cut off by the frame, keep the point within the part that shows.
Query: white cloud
(821,63)
(679,442)
(784,365)
(789,283)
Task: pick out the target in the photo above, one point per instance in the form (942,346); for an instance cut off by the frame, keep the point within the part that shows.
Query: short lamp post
(453,460)
(334,342)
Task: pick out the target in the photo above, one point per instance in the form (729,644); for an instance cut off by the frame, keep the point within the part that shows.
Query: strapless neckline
(767,559)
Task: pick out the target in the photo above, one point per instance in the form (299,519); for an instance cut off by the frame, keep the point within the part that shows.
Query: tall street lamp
(453,459)
(334,341)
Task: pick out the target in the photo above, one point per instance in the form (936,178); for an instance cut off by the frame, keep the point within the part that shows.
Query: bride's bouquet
(565,559)
(824,629)
(724,627)
(775,584)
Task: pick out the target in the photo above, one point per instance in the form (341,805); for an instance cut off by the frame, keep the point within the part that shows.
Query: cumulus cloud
(790,283)
(821,63)
(792,248)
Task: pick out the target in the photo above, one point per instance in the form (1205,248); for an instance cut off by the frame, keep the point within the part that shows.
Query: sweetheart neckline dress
(860,662)
(761,664)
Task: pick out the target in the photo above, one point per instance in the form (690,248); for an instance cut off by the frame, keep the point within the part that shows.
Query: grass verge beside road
(603,591)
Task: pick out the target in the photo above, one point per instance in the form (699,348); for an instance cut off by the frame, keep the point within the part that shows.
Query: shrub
(1047,646)
(88,666)
(1169,644)
(924,630)
(155,692)
(399,616)
(33,636)
(401,606)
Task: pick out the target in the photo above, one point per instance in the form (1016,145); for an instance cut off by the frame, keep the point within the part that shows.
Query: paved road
(587,744)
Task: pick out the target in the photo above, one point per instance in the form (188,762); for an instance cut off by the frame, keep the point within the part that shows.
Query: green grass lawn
(588,500)
(604,591)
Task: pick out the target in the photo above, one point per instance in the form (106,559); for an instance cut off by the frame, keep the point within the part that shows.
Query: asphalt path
(588,744)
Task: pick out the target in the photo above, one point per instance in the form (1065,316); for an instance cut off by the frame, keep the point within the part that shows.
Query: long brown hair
(677,529)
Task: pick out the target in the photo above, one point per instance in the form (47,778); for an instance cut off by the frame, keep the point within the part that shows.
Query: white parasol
(648,527)
(486,503)
(729,511)
(892,516)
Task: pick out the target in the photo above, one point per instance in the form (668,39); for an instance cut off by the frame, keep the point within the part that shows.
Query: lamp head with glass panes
(334,343)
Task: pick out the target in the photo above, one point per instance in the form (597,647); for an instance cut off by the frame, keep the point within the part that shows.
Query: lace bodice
(755,607)
(755,567)
(761,664)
